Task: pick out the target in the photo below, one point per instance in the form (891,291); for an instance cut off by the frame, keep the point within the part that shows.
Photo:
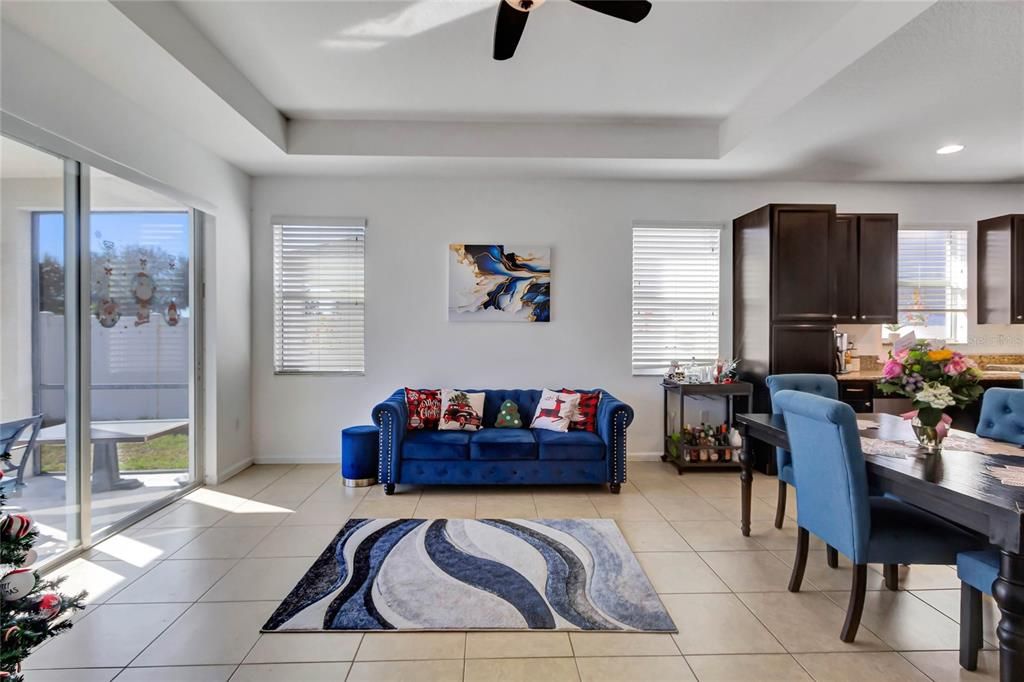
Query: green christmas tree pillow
(508,416)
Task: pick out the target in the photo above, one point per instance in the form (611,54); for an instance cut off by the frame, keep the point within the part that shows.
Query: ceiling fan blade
(508,28)
(630,10)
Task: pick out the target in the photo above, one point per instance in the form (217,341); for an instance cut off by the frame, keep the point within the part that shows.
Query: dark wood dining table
(963,484)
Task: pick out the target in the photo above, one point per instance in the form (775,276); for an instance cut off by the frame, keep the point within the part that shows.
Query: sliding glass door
(140,331)
(40,477)
(97,346)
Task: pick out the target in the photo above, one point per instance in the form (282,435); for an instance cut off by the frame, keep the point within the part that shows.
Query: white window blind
(676,272)
(319,296)
(932,295)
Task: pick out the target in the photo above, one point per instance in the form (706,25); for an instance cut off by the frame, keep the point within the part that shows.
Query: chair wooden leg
(832,556)
(891,572)
(854,610)
(970,626)
(796,578)
(780,507)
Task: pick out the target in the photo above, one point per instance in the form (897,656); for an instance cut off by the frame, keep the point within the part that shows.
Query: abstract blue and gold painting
(499,283)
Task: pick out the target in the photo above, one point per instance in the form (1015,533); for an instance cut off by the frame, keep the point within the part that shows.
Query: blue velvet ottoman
(359,455)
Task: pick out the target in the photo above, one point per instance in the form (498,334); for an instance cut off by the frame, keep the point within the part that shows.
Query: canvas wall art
(499,283)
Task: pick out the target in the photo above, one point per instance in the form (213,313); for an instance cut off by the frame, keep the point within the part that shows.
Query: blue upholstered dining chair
(818,384)
(834,503)
(977,571)
(1002,415)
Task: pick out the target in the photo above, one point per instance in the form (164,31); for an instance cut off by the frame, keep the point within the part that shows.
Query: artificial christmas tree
(31,609)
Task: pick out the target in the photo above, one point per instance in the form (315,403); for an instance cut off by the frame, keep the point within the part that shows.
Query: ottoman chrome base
(359,482)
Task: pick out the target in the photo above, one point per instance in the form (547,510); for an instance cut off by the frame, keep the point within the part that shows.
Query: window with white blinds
(676,273)
(319,296)
(932,297)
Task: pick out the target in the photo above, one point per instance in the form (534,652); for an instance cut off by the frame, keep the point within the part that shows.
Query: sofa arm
(390,416)
(613,417)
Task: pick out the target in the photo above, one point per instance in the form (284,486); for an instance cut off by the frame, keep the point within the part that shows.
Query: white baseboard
(292,459)
(643,456)
(237,468)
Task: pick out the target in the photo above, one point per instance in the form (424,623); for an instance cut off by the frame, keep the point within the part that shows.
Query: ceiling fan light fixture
(525,5)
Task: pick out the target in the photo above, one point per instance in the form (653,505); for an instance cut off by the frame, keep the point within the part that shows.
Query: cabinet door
(1017,271)
(802,348)
(801,285)
(858,395)
(878,239)
(844,268)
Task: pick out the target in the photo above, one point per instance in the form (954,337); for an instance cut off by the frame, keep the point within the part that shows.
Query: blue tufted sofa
(1002,415)
(502,456)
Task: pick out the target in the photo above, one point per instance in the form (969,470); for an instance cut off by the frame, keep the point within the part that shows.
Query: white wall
(74,111)
(587,223)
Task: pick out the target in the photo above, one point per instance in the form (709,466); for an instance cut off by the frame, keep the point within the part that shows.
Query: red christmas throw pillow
(586,413)
(424,408)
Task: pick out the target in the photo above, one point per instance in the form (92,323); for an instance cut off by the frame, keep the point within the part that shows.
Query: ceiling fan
(512,15)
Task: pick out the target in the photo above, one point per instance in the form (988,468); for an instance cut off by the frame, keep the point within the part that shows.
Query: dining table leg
(746,480)
(1008,591)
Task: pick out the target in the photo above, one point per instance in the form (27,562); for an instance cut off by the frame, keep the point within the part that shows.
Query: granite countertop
(876,374)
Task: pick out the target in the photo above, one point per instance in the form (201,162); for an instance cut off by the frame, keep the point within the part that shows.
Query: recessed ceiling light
(950,149)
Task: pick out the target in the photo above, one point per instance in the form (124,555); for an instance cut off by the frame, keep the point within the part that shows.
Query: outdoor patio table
(105,435)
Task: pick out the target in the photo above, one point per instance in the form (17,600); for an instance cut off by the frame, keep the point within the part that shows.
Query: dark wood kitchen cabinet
(798,270)
(859,395)
(864,252)
(803,348)
(845,270)
(1001,270)
(878,265)
(801,282)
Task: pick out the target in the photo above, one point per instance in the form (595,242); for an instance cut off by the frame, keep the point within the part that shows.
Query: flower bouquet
(934,379)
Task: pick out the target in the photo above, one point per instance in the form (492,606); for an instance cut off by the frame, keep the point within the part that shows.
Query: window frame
(688,224)
(277,222)
(966,310)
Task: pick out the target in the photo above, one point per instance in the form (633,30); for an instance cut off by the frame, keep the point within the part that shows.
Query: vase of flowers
(934,379)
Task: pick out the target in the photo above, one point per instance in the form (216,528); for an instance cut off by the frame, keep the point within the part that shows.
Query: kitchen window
(932,293)
(676,273)
(319,296)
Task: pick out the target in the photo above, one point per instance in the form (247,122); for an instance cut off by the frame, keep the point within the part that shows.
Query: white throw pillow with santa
(555,411)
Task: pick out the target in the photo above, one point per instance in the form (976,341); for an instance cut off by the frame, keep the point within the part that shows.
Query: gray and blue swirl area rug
(474,574)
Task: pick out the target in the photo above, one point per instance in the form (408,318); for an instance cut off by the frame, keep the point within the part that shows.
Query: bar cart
(683,455)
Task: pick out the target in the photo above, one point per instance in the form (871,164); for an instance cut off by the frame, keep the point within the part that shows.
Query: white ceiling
(858,91)
(432,59)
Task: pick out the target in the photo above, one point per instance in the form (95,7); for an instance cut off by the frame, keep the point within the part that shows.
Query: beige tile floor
(181,595)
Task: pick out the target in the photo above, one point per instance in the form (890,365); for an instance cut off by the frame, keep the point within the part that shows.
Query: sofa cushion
(503,444)
(571,445)
(555,411)
(437,445)
(461,410)
(586,412)
(424,406)
(525,398)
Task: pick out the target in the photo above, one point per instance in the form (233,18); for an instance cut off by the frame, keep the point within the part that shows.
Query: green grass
(165,452)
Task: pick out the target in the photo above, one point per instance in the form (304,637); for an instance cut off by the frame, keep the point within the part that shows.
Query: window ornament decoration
(108,312)
(143,289)
(172,316)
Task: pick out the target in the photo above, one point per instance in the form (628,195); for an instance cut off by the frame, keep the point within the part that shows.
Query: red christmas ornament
(48,605)
(15,526)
